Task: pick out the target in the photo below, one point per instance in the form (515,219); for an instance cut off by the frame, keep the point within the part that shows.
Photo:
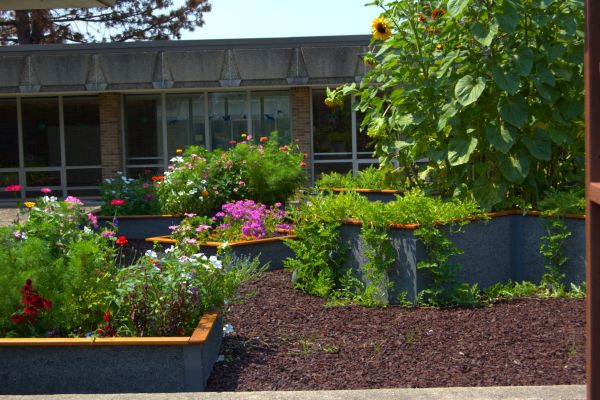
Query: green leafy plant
(199,181)
(490,93)
(369,178)
(127,196)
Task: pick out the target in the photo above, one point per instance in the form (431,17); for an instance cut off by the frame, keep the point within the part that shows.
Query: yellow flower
(178,151)
(29,204)
(244,136)
(369,59)
(204,193)
(381,29)
(439,46)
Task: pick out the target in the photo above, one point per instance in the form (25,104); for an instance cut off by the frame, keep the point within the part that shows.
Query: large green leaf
(558,136)
(457,7)
(506,80)
(501,139)
(487,194)
(523,61)
(484,34)
(539,145)
(468,90)
(513,110)
(460,149)
(507,18)
(514,166)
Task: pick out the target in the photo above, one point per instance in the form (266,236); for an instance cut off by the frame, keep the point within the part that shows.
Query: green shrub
(369,178)
(128,196)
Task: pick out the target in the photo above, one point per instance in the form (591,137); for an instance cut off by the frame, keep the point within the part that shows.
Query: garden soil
(287,340)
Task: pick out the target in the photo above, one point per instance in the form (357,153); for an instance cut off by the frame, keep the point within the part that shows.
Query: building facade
(72,115)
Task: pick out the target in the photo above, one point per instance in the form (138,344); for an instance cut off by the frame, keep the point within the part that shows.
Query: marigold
(381,28)
(29,204)
(437,13)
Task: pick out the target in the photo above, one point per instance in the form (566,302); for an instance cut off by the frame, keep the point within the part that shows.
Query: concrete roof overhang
(43,4)
(182,64)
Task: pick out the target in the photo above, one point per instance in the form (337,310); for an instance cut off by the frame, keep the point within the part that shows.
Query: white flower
(227,329)
(215,262)
(176,159)
(170,250)
(224,245)
(87,230)
(151,253)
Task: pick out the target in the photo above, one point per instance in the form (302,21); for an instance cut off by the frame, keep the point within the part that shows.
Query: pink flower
(145,185)
(148,197)
(201,228)
(93,220)
(107,233)
(189,215)
(189,241)
(117,202)
(73,200)
(232,142)
(12,188)
(45,190)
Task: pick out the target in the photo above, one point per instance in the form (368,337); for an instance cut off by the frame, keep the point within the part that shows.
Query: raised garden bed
(505,247)
(383,195)
(141,226)
(271,250)
(111,365)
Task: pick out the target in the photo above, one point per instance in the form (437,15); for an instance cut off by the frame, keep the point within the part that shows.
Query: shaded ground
(286,340)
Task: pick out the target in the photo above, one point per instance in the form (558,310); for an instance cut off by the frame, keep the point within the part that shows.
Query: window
(271,112)
(144,144)
(9,131)
(185,122)
(82,130)
(227,118)
(41,132)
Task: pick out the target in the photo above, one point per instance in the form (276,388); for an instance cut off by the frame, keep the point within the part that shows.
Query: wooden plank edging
(198,337)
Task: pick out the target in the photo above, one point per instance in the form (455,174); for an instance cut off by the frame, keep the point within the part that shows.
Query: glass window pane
(185,122)
(42,178)
(363,142)
(83,193)
(41,132)
(9,132)
(332,127)
(271,112)
(143,129)
(84,177)
(82,130)
(227,116)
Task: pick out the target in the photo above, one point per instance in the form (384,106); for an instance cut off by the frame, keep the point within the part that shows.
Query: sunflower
(381,29)
(370,60)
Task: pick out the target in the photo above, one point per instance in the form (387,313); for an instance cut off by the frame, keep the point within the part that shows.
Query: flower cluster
(33,305)
(12,188)
(108,329)
(128,196)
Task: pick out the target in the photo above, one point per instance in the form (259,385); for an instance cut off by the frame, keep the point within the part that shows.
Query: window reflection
(41,132)
(271,112)
(9,131)
(227,118)
(185,122)
(144,131)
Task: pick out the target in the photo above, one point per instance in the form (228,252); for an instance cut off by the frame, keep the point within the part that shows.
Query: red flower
(30,311)
(46,304)
(283,148)
(17,318)
(303,164)
(263,139)
(122,240)
(12,188)
(117,202)
(157,178)
(106,316)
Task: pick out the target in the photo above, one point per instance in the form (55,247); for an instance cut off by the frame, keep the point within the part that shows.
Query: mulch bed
(287,340)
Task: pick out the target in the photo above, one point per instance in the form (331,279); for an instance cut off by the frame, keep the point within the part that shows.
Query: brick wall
(301,124)
(110,134)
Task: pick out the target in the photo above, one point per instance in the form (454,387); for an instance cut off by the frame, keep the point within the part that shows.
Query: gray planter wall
(141,227)
(109,368)
(274,252)
(495,251)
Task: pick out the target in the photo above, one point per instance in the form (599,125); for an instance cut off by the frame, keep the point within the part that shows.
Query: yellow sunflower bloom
(381,29)
(29,204)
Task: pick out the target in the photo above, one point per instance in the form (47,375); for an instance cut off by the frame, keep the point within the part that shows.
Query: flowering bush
(128,196)
(55,271)
(200,181)
(242,220)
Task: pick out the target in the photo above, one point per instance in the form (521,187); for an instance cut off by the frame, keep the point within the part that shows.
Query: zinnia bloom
(46,190)
(117,202)
(437,13)
(264,139)
(122,240)
(29,204)
(157,178)
(12,188)
(178,151)
(381,29)
(73,200)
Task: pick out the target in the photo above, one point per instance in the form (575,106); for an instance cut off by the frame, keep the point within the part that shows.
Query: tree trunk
(23,26)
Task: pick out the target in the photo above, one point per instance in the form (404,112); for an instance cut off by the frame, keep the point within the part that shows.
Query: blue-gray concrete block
(141,228)
(274,252)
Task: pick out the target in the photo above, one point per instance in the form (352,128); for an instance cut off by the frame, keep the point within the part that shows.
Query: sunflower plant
(490,93)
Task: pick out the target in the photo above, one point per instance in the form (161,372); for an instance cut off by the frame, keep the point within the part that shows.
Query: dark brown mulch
(287,340)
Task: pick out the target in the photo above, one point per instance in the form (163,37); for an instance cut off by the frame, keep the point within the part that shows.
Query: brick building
(71,115)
